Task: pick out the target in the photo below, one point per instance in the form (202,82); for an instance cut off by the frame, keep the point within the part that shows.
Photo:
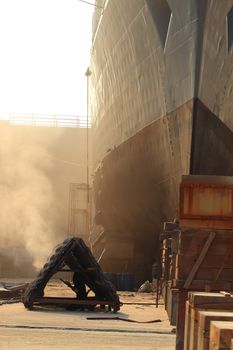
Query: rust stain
(206,204)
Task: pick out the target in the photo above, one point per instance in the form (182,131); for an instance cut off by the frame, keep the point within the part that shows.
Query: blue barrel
(111,277)
(125,281)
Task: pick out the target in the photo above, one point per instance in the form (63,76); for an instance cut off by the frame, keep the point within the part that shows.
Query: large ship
(162,106)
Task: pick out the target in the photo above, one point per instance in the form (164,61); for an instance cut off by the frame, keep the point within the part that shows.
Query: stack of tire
(73,253)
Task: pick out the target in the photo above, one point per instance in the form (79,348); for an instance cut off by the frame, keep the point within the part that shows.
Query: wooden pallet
(62,301)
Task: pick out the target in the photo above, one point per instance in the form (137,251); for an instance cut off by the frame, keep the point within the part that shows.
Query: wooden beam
(199,260)
(69,301)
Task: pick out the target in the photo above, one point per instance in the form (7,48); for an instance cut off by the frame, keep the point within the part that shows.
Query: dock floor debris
(50,327)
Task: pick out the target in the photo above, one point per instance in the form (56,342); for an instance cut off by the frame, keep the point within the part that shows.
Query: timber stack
(197,249)
(202,310)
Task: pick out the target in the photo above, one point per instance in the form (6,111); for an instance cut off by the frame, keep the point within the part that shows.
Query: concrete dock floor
(56,328)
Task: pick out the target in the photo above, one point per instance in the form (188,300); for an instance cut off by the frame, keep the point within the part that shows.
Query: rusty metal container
(206,201)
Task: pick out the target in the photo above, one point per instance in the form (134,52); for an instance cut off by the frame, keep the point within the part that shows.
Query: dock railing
(65,121)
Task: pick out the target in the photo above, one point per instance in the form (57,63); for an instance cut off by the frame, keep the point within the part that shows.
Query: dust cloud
(27,206)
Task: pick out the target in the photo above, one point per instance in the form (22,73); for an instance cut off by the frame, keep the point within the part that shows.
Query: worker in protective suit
(79,285)
(79,288)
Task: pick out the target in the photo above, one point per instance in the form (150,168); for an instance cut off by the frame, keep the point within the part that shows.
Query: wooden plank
(193,329)
(204,285)
(231,344)
(223,263)
(199,260)
(198,299)
(221,333)
(210,267)
(204,301)
(71,301)
(210,274)
(195,231)
(217,224)
(194,247)
(204,319)
(171,307)
(187,326)
(192,243)
(210,261)
(183,295)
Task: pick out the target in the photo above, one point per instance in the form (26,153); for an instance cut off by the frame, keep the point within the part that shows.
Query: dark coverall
(79,285)
(80,289)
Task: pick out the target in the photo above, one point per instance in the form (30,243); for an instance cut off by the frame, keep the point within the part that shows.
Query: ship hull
(130,188)
(158,114)
(137,186)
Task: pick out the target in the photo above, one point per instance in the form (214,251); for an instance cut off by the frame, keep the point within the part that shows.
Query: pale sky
(44,54)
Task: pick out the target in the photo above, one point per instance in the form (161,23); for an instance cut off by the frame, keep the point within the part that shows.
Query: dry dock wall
(37,166)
